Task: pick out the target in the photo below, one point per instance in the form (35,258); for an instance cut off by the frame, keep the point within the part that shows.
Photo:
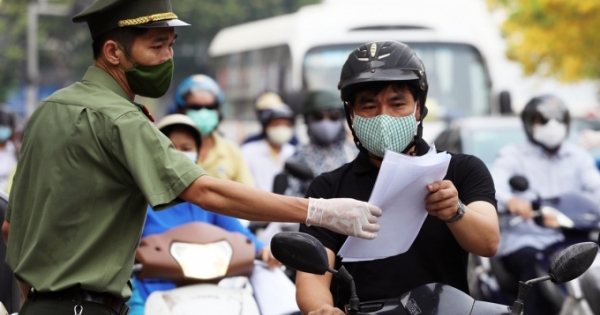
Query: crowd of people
(95,172)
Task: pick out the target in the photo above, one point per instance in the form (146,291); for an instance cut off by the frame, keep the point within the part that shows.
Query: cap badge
(373,50)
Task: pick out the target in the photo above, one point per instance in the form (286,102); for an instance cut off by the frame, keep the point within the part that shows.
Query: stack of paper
(400,191)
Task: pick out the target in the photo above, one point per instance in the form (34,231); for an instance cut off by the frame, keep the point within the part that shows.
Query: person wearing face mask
(200,98)
(266,157)
(328,148)
(553,167)
(8,150)
(267,101)
(92,161)
(186,138)
(384,87)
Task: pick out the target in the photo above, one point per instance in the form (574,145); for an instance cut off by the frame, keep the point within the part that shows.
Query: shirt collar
(562,152)
(362,163)
(219,147)
(101,77)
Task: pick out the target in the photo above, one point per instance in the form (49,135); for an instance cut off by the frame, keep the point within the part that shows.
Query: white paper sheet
(400,191)
(273,290)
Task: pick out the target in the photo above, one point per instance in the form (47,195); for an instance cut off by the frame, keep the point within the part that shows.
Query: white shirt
(8,161)
(262,164)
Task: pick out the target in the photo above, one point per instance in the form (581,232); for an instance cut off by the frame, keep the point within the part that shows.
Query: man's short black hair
(125,36)
(376,87)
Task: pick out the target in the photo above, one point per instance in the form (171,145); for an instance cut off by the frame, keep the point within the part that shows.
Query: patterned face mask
(381,133)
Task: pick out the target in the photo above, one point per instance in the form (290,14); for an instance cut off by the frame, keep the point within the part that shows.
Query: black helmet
(544,108)
(321,100)
(384,61)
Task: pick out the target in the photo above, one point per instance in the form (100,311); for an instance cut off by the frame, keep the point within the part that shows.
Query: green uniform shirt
(90,164)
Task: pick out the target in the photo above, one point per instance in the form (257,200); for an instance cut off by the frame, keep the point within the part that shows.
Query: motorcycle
(305,253)
(574,213)
(214,271)
(579,218)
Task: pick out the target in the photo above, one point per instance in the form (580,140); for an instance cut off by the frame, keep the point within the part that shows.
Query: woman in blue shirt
(186,138)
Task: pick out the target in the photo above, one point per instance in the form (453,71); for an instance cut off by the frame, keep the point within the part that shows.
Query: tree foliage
(556,38)
(65,48)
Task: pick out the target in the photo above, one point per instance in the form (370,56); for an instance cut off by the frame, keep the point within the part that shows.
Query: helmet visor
(547,112)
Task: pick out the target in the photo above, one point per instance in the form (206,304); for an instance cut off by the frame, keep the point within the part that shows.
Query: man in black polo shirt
(384,87)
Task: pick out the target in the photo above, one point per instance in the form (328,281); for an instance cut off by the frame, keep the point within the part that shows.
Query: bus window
(458,80)
(243,76)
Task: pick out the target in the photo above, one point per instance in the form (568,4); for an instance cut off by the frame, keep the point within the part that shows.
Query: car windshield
(458,80)
(487,143)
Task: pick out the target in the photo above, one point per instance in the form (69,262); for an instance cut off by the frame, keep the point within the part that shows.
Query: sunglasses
(332,115)
(213,106)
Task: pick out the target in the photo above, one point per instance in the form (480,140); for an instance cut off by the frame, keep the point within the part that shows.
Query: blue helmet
(198,83)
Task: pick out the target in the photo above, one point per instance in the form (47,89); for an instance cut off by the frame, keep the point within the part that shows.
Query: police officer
(92,161)
(384,86)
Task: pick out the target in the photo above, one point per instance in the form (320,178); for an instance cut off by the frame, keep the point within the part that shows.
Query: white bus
(305,50)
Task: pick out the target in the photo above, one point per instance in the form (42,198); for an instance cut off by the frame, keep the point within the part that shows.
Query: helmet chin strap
(417,138)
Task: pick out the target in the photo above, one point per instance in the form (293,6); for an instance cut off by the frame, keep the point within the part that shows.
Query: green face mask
(205,119)
(381,133)
(149,81)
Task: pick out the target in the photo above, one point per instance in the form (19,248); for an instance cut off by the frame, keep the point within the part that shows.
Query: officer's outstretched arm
(312,291)
(342,215)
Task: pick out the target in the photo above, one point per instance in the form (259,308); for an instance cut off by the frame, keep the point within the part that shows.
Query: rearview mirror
(572,262)
(300,251)
(280,183)
(299,170)
(505,103)
(519,183)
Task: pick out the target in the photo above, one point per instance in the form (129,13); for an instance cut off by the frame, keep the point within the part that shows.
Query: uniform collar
(101,77)
(362,164)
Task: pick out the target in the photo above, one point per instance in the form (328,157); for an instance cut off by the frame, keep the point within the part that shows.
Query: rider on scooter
(186,138)
(384,87)
(553,167)
(328,148)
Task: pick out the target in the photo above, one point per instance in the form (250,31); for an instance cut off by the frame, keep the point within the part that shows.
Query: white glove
(345,216)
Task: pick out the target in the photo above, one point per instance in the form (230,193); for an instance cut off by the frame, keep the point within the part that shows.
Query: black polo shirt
(435,255)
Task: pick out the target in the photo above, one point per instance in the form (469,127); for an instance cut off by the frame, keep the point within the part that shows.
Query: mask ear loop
(353,116)
(126,56)
(419,121)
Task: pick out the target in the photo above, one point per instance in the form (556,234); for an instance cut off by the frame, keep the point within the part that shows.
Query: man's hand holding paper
(442,199)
